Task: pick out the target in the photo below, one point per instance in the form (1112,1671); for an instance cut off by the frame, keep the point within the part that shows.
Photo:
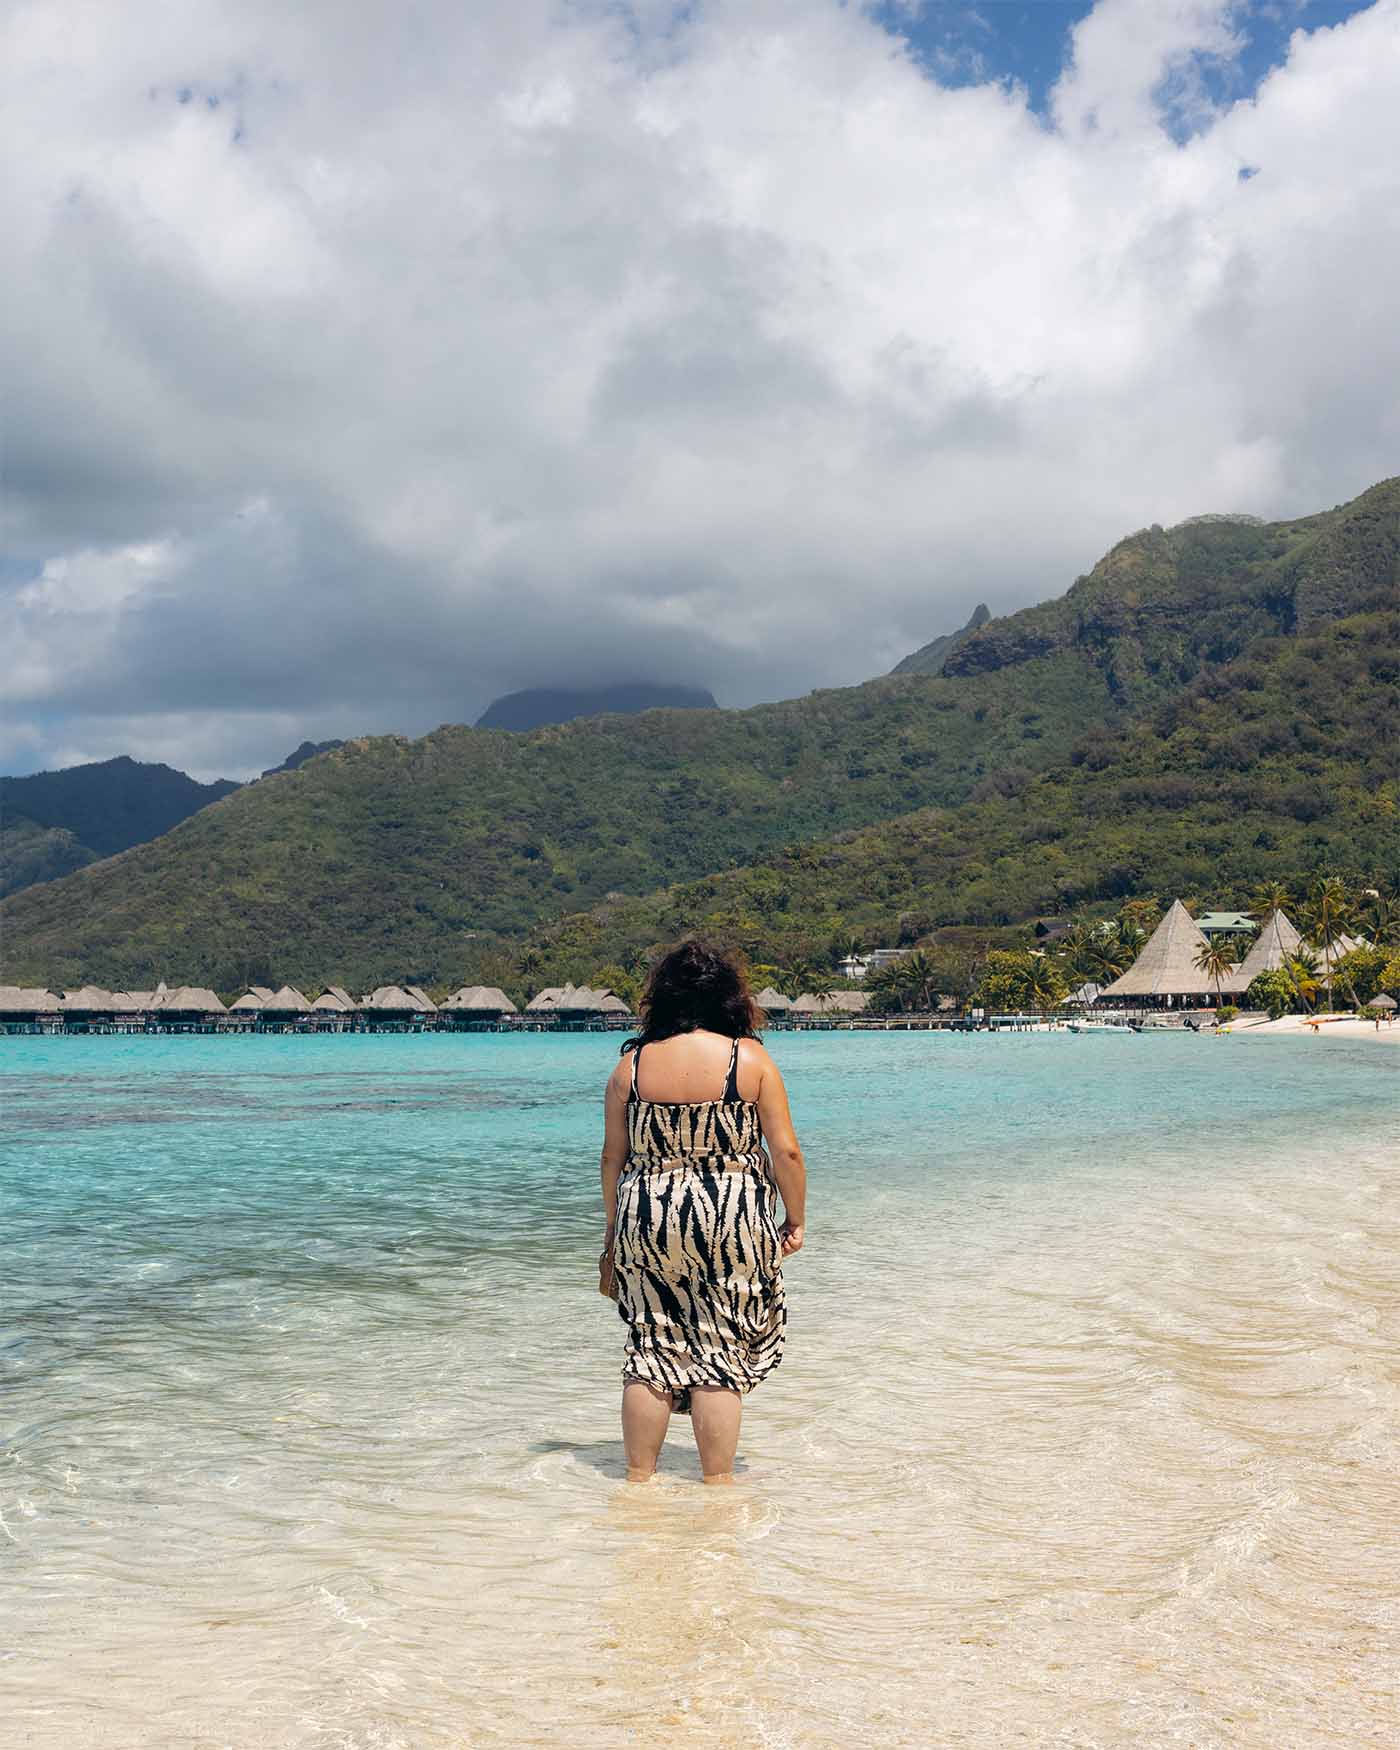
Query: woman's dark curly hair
(694,985)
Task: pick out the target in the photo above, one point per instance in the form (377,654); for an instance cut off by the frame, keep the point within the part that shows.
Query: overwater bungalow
(250,1003)
(333,1000)
(390,1008)
(426,1005)
(479,1007)
(1165,973)
(91,1003)
(189,1008)
(773,1002)
(828,1008)
(578,1006)
(285,1003)
(22,1010)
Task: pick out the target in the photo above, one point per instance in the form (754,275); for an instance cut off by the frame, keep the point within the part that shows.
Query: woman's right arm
(785,1152)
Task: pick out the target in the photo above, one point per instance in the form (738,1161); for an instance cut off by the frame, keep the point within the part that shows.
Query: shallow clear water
(1087,1432)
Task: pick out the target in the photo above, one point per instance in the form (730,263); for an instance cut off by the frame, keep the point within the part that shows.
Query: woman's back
(690,1068)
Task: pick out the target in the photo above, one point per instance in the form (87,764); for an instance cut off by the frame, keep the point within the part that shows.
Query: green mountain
(395,859)
(55,822)
(1283,764)
(930,657)
(538,706)
(307,751)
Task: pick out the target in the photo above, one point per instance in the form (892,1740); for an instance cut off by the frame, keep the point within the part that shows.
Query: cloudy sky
(364,360)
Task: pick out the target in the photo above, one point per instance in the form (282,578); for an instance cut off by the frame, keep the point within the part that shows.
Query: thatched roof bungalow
(286,1001)
(426,1005)
(835,1002)
(250,1003)
(18,1003)
(772,1002)
(1166,969)
(187,999)
(478,999)
(333,1000)
(392,999)
(90,1000)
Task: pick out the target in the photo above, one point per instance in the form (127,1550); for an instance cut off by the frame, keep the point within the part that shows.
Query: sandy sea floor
(1091,1441)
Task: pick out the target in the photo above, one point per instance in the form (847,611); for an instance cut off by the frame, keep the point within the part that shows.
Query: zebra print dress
(697,1249)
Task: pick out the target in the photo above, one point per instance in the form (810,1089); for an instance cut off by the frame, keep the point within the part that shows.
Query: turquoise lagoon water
(1086,1434)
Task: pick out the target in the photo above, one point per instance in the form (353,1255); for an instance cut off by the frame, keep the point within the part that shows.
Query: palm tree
(1302,972)
(1328,914)
(1267,898)
(1044,984)
(1216,959)
(1379,911)
(1081,948)
(919,975)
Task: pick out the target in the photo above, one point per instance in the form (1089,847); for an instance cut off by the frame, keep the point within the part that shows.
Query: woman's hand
(790,1234)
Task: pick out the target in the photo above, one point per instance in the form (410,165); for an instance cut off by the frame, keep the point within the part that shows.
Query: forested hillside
(1282,765)
(393,859)
(54,822)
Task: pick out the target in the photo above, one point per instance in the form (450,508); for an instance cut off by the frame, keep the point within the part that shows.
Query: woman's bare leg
(714,1414)
(646,1413)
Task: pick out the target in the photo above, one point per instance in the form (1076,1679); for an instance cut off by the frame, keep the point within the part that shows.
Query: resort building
(829,1006)
(285,1003)
(1165,974)
(334,1001)
(1226,923)
(773,1002)
(856,966)
(572,1005)
(1277,943)
(476,1005)
(393,1008)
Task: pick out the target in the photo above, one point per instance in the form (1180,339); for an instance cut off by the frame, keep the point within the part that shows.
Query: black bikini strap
(731,1081)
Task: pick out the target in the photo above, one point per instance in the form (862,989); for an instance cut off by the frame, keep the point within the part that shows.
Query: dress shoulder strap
(731,1081)
(636,1059)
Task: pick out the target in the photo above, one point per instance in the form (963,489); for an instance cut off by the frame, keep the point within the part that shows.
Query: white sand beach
(1318,1026)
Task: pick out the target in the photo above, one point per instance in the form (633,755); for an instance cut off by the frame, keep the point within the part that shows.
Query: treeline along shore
(1149,966)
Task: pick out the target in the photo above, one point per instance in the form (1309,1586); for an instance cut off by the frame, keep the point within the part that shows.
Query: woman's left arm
(614,1145)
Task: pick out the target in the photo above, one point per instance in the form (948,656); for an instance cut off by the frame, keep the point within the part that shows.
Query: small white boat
(1101,1027)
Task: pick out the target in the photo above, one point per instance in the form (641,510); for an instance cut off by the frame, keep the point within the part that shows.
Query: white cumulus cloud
(361,361)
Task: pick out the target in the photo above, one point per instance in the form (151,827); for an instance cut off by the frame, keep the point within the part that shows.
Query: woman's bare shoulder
(754,1055)
(620,1081)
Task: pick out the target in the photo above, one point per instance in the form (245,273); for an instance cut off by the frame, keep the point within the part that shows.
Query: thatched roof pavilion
(1276,943)
(90,1000)
(425,1003)
(835,1002)
(482,999)
(334,1000)
(287,1002)
(251,1002)
(1383,1001)
(547,1000)
(772,1002)
(390,998)
(1167,965)
(17,1001)
(188,999)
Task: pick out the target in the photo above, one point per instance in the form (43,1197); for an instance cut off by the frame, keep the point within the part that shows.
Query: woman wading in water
(693,1248)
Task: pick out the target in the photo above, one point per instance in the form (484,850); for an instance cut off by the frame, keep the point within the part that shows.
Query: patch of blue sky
(973,42)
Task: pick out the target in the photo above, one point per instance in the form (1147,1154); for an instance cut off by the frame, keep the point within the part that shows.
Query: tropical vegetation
(1211,708)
